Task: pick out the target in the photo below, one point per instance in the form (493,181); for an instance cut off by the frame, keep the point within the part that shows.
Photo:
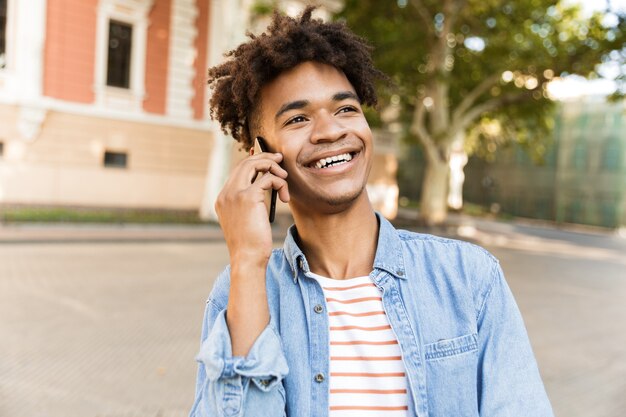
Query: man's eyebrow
(292,105)
(344,95)
(299,104)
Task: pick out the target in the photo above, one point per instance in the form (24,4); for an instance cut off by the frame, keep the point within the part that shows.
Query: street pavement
(104,321)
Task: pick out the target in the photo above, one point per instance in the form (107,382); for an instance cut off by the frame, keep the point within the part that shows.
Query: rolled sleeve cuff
(265,363)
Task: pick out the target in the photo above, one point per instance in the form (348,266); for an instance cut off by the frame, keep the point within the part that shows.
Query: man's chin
(336,203)
(341,201)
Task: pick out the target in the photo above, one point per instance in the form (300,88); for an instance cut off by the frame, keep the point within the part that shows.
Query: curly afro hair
(286,43)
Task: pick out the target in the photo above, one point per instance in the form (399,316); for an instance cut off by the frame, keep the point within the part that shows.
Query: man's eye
(347,109)
(297,119)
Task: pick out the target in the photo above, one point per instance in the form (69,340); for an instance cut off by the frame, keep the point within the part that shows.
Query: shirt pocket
(451,375)
(447,348)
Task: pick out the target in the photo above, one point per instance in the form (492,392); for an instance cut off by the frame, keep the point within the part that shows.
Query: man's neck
(340,245)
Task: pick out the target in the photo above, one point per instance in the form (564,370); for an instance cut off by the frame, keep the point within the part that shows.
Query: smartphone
(260,146)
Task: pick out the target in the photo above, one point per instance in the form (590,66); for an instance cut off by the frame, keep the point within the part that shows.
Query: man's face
(312,115)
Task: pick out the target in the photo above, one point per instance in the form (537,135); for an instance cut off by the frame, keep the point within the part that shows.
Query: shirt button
(319,378)
(265,382)
(318,308)
(300,263)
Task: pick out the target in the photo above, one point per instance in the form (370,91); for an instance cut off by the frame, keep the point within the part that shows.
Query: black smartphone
(261,146)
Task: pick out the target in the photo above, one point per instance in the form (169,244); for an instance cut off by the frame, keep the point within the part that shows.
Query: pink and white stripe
(367,375)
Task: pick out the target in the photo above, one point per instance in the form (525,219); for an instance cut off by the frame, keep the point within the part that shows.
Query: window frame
(3,33)
(134,13)
(9,35)
(114,154)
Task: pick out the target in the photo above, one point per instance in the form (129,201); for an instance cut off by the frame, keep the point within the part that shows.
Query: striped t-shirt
(367,375)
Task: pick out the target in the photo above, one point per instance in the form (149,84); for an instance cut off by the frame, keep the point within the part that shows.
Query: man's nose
(327,128)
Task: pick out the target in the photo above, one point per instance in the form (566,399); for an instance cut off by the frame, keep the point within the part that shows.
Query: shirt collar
(388,257)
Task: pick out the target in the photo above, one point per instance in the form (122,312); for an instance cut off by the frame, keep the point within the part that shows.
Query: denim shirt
(463,341)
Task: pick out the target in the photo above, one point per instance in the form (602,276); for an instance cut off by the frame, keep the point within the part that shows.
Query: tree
(479,69)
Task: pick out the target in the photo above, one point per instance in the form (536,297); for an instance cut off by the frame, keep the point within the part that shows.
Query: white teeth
(340,159)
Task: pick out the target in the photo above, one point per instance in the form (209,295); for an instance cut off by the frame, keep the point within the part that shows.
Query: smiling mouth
(335,160)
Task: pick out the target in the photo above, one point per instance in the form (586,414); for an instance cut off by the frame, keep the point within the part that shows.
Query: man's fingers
(269,182)
(253,167)
(252,178)
(277,157)
(273,168)
(283,193)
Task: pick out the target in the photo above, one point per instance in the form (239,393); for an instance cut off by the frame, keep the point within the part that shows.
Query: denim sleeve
(509,384)
(227,385)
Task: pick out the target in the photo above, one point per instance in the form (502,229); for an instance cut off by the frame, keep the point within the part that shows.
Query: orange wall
(69,55)
(157,57)
(199,82)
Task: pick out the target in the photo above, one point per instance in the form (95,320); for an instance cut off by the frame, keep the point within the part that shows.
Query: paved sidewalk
(102,329)
(96,322)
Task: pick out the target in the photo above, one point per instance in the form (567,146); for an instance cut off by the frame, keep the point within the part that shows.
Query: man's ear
(253,123)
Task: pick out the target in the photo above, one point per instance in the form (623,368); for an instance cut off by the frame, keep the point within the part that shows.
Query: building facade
(583,179)
(103,103)
(591,161)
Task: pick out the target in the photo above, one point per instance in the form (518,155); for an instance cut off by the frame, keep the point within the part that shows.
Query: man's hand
(244,220)
(241,206)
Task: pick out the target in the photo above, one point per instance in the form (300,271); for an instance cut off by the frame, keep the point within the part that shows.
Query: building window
(115,159)
(612,155)
(121,42)
(543,208)
(118,61)
(608,213)
(3,33)
(575,212)
(579,155)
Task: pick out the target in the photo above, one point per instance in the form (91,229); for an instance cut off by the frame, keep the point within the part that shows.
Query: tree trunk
(434,206)
(434,133)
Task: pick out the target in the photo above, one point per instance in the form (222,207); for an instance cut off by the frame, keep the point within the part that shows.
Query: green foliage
(84,215)
(524,44)
(373,117)
(532,131)
(262,8)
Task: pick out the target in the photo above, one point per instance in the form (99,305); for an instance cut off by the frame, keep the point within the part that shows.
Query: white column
(138,67)
(27,85)
(229,20)
(102,32)
(30,31)
(182,54)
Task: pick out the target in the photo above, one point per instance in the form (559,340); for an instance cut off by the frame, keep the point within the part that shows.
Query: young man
(351,317)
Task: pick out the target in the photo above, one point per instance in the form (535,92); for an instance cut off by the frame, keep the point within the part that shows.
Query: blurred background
(503,124)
